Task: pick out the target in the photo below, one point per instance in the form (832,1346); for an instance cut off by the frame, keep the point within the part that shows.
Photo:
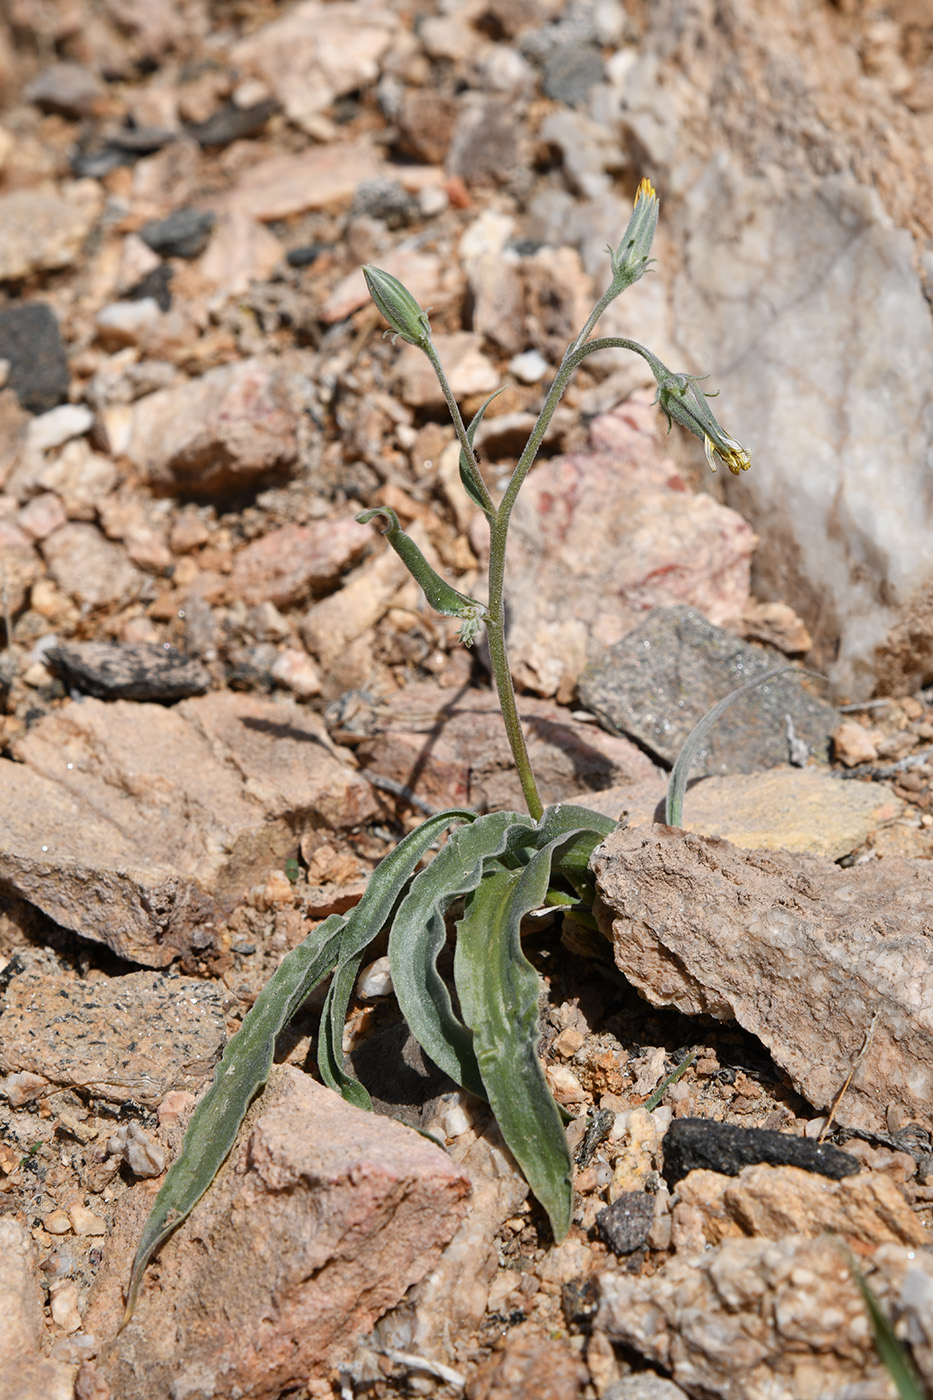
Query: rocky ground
(222,700)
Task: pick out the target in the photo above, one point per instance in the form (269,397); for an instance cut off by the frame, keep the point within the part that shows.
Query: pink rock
(296,559)
(233,426)
(424,274)
(23,1331)
(320,1220)
(92,570)
(282,185)
(42,515)
(21,564)
(241,251)
(602,536)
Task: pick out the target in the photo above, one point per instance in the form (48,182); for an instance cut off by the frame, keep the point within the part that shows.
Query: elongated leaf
(893,1354)
(243,1069)
(464,463)
(677,786)
(362,925)
(419,932)
(499,994)
(442,597)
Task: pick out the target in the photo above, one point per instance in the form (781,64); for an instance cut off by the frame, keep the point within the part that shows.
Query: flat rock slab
(128,670)
(658,682)
(759,1319)
(118,1038)
(805,955)
(784,809)
(319,1221)
(450,747)
(600,537)
(137,825)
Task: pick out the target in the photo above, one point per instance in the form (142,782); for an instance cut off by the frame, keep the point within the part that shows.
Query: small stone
(140,1152)
(128,671)
(175,1108)
(184,234)
(88,567)
(776,625)
(127,322)
(85,1222)
(232,122)
(241,251)
(854,744)
(565,1085)
(295,671)
(375,980)
(187,534)
(57,1223)
(69,89)
(31,342)
(529,367)
(23,1087)
(41,230)
(626,1224)
(283,185)
(41,515)
(568,1043)
(59,426)
(571,71)
(63,1300)
(487,146)
(294,560)
(468,370)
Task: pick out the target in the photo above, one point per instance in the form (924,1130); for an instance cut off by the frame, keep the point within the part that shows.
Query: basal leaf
(499,995)
(419,932)
(362,926)
(243,1070)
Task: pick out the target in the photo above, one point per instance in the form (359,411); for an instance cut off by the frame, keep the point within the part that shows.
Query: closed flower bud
(681,399)
(398,306)
(630,260)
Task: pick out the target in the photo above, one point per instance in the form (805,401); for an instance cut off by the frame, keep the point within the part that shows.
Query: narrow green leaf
(677,786)
(362,925)
(465,464)
(243,1070)
(499,995)
(419,932)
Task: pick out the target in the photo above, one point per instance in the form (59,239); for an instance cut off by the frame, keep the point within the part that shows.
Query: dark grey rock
(692,1143)
(387,200)
(156,284)
(95,158)
(184,234)
(663,677)
(128,671)
(486,147)
(31,341)
(626,1224)
(232,123)
(571,71)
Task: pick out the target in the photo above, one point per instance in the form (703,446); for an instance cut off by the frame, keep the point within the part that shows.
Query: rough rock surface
(700,925)
(25,1374)
(663,677)
(122,1038)
(135,824)
(451,748)
(131,671)
(755,1319)
(602,536)
(321,1218)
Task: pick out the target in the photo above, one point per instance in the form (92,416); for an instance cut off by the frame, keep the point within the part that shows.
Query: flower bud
(630,260)
(398,306)
(679,398)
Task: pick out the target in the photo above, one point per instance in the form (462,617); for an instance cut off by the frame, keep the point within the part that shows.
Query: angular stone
(136,825)
(317,52)
(319,1221)
(88,567)
(846,957)
(128,671)
(692,1144)
(185,233)
(468,371)
(530,1364)
(297,559)
(452,750)
(119,1038)
(757,1319)
(21,564)
(234,426)
(600,537)
(69,89)
(241,251)
(282,185)
(31,340)
(25,1374)
(41,230)
(665,674)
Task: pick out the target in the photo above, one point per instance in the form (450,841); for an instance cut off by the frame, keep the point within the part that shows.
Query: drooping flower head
(681,399)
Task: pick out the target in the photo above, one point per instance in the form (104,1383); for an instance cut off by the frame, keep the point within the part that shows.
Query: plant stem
(453,408)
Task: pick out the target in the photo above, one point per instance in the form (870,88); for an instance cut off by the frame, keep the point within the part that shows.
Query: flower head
(630,260)
(398,306)
(681,399)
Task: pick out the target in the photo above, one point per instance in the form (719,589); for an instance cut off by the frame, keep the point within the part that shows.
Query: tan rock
(853,743)
(343,618)
(25,1374)
(698,924)
(88,567)
(319,1221)
(776,625)
(771,1202)
(20,566)
(754,1319)
(783,809)
(468,370)
(133,823)
(43,229)
(241,251)
(425,274)
(296,559)
(282,185)
(233,426)
(529,1364)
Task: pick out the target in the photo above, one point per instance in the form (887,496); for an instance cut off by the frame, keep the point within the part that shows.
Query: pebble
(184,234)
(626,1224)
(69,89)
(294,670)
(375,980)
(42,230)
(58,426)
(85,1222)
(31,343)
(529,367)
(128,671)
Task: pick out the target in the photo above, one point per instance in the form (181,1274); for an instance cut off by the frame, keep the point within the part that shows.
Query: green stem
(453,408)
